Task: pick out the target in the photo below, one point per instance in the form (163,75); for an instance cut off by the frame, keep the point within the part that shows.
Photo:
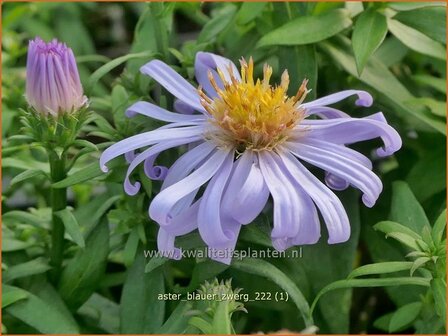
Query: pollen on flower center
(253,114)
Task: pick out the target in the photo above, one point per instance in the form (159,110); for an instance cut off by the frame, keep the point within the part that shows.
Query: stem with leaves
(58,202)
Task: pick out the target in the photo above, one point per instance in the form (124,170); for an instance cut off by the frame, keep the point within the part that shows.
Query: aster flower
(52,80)
(249,141)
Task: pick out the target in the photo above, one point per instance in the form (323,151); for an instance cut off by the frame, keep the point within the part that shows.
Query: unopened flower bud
(53,86)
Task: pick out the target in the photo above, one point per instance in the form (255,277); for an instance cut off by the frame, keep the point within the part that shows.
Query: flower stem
(58,202)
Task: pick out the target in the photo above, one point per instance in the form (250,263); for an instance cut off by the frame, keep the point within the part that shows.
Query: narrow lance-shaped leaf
(41,315)
(369,32)
(267,270)
(32,267)
(72,226)
(439,228)
(401,281)
(308,29)
(415,40)
(81,276)
(12,294)
(431,21)
(406,210)
(101,71)
(381,268)
(404,316)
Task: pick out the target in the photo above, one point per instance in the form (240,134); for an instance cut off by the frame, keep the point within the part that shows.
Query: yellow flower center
(253,114)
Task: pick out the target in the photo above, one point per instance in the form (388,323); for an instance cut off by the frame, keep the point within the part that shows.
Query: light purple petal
(333,181)
(146,139)
(209,217)
(165,244)
(174,83)
(184,222)
(183,167)
(132,189)
(246,193)
(163,203)
(325,112)
(305,213)
(330,206)
(344,167)
(348,131)
(156,112)
(181,107)
(129,156)
(364,98)
(157,173)
(292,212)
(223,252)
(207,62)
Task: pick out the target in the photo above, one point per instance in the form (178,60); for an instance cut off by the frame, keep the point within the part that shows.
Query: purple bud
(52,79)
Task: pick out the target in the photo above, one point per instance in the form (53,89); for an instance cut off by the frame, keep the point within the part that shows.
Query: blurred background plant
(396,51)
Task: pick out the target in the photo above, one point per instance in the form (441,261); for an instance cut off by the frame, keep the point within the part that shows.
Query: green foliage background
(396,51)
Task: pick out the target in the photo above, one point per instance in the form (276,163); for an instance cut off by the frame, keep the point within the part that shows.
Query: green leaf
(27,174)
(405,239)
(406,6)
(301,63)
(130,248)
(201,324)
(406,210)
(178,320)
(11,295)
(351,283)
(438,288)
(438,84)
(431,21)
(379,77)
(381,268)
(368,34)
(389,227)
(82,274)
(32,267)
(426,185)
(141,310)
(308,29)
(42,315)
(418,263)
(438,228)
(382,322)
(17,216)
(90,213)
(109,66)
(154,263)
(85,174)
(391,51)
(104,312)
(267,270)
(415,40)
(249,11)
(404,316)
(11,245)
(120,100)
(438,108)
(220,22)
(72,226)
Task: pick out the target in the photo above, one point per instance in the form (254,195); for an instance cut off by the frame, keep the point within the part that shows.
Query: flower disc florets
(253,114)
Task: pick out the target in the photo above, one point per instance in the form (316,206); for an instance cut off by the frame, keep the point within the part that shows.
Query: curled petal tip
(132,189)
(364,99)
(368,202)
(280,244)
